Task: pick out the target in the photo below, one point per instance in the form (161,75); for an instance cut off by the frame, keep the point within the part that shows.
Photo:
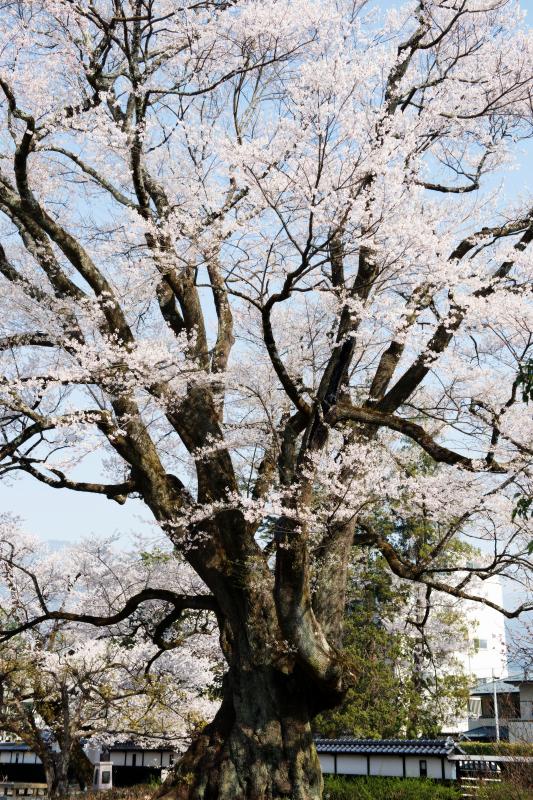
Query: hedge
(338,788)
(497,748)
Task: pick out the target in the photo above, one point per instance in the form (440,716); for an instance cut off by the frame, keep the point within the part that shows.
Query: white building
(485,656)
(482,653)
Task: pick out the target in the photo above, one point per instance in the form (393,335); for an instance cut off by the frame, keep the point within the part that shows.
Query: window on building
(134,760)
(487,707)
(423,769)
(474,707)
(480,644)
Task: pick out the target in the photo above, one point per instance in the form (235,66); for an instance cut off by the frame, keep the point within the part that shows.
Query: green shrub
(339,788)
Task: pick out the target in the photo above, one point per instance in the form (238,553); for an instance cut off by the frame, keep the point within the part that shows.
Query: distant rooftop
(502,686)
(14,746)
(520,677)
(486,733)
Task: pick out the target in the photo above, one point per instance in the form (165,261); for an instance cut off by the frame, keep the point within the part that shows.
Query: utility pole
(496,713)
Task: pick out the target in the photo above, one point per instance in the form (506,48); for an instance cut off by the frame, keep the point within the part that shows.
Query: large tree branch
(225,339)
(296,615)
(441,454)
(455,591)
(137,448)
(331,565)
(38,246)
(418,301)
(33,216)
(30,339)
(99,179)
(445,331)
(54,477)
(181,602)
(279,367)
(117,491)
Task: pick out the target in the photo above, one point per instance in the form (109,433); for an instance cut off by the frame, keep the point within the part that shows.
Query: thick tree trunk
(81,767)
(258,747)
(56,772)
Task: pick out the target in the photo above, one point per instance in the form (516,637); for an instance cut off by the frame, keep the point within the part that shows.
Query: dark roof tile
(420,747)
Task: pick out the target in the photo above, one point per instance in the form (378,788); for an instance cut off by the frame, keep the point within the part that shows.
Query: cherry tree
(250,249)
(63,685)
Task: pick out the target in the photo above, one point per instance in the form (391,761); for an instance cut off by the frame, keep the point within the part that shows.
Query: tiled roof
(416,747)
(13,746)
(133,746)
(18,746)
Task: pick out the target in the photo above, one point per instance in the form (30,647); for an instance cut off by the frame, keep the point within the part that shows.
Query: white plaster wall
(152,758)
(450,770)
(412,766)
(386,765)
(383,765)
(327,763)
(434,768)
(351,764)
(24,757)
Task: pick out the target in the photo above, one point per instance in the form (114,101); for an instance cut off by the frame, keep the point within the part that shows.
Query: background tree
(403,645)
(249,248)
(62,686)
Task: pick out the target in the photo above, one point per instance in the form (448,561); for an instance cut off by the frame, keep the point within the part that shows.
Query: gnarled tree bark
(258,747)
